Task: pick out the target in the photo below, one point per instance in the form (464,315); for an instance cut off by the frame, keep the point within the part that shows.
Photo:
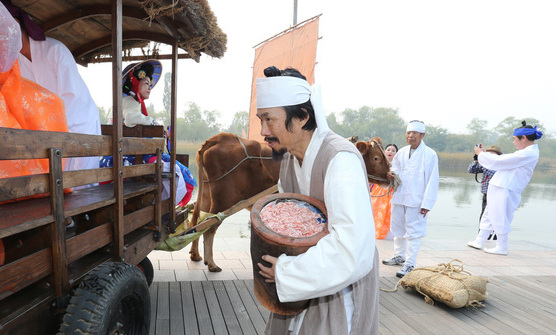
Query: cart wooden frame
(122,221)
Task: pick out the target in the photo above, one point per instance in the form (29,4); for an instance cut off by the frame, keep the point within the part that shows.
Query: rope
(247,156)
(154,10)
(449,270)
(390,192)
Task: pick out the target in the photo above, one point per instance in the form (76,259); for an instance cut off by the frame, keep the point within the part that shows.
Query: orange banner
(295,48)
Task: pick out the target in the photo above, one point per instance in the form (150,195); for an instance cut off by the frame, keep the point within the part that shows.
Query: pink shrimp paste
(293,218)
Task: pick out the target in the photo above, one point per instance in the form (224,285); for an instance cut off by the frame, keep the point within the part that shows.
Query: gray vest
(327,315)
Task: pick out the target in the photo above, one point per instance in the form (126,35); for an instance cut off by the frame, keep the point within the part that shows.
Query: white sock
(400,246)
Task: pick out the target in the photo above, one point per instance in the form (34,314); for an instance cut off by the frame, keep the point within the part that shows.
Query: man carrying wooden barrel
(340,273)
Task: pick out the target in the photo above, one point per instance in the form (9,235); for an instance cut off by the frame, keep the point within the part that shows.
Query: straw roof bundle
(85,26)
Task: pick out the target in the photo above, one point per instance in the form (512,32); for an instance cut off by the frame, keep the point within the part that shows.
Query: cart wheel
(111,299)
(146,266)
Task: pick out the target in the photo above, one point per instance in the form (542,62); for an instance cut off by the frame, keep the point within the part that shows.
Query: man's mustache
(269,139)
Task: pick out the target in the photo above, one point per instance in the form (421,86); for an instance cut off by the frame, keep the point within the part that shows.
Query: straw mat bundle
(447,283)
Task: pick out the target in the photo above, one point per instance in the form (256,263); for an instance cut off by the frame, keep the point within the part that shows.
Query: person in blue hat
(138,81)
(513,173)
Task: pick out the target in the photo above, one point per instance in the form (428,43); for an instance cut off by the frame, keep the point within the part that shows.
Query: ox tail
(201,176)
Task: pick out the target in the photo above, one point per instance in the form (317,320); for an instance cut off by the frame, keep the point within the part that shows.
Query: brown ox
(230,172)
(226,176)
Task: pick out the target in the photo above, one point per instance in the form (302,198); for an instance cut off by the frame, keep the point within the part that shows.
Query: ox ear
(378,139)
(362,146)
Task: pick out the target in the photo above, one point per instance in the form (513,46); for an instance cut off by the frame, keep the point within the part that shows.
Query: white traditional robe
(131,110)
(419,176)
(513,173)
(54,68)
(320,271)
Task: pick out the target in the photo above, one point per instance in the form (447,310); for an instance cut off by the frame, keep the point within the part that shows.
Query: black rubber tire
(111,299)
(146,266)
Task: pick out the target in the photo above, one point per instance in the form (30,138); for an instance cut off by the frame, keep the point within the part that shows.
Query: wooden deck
(516,305)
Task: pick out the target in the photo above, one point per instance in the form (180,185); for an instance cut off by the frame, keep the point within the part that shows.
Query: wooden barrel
(265,241)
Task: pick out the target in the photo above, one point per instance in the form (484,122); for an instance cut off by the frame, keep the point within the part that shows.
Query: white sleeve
(10,40)
(81,110)
(432,180)
(506,161)
(132,113)
(346,254)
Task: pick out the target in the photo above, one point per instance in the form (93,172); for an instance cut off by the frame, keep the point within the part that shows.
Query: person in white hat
(340,273)
(417,166)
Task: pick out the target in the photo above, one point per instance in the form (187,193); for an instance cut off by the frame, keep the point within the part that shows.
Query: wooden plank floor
(515,305)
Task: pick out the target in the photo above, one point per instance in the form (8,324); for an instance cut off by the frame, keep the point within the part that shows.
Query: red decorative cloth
(135,88)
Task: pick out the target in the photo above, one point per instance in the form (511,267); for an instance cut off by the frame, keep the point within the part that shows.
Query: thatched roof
(84,26)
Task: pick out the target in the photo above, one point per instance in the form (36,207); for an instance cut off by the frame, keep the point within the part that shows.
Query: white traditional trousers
(408,226)
(500,209)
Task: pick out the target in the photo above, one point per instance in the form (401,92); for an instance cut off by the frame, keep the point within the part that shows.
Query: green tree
(388,125)
(167,97)
(239,124)
(367,122)
(357,122)
(211,119)
(197,125)
(504,130)
(162,117)
(479,132)
(477,129)
(436,137)
(459,143)
(150,109)
(336,127)
(105,115)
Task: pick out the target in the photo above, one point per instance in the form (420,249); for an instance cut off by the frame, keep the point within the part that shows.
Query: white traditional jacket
(419,176)
(340,273)
(513,171)
(131,111)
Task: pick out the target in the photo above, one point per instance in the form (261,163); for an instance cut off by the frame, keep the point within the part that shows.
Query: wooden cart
(93,278)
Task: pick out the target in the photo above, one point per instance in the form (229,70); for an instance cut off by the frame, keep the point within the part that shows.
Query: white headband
(285,91)
(417,126)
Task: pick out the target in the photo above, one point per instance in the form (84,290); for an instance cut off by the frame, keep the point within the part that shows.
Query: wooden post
(158,193)
(174,118)
(117,128)
(58,227)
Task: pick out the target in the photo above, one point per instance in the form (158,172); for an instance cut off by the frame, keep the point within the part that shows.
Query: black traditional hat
(151,68)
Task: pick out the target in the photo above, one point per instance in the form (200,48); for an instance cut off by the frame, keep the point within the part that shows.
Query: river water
(455,215)
(456,212)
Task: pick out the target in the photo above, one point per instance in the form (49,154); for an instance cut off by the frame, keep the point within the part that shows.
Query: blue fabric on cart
(108,161)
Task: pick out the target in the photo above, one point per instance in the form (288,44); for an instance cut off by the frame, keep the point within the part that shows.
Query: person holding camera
(513,173)
(477,168)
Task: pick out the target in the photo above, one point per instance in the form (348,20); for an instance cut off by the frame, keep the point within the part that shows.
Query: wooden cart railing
(43,257)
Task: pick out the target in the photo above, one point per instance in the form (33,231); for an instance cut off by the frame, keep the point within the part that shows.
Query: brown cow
(227,176)
(375,160)
(230,170)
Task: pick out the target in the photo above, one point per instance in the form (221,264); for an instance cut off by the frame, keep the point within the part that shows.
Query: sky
(443,62)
